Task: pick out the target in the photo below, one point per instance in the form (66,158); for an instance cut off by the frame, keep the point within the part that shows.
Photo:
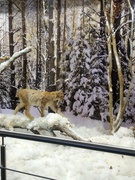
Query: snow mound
(68,163)
(49,122)
(10,121)
(124,132)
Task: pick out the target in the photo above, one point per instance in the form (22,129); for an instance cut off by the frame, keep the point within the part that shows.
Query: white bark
(5,64)
(109,41)
(118,121)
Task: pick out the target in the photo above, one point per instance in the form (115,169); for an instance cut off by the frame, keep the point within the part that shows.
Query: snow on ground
(68,163)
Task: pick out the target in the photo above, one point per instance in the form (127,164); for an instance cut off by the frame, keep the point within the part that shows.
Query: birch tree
(115,60)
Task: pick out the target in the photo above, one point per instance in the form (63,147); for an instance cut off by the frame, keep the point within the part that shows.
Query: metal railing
(72,143)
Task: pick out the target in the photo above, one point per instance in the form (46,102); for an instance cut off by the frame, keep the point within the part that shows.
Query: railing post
(3,160)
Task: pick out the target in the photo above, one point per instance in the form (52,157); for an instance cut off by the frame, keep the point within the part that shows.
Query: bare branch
(91,17)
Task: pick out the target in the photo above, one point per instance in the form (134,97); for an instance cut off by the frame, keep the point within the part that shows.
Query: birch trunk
(110,67)
(112,28)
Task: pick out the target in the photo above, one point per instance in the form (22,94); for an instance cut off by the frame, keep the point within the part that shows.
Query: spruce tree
(86,85)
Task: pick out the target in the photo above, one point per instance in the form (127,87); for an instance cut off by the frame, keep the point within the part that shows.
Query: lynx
(41,99)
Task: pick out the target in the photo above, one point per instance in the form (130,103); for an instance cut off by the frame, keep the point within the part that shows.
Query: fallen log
(50,123)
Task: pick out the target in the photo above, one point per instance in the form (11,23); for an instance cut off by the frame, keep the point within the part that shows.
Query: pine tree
(86,87)
(4,90)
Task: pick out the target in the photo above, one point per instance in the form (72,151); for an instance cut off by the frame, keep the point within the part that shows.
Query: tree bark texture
(11,49)
(65,19)
(24,63)
(51,59)
(58,39)
(38,58)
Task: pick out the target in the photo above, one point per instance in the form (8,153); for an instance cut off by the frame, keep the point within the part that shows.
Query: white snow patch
(68,163)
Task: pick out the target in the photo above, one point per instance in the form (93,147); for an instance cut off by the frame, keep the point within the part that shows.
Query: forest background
(83,47)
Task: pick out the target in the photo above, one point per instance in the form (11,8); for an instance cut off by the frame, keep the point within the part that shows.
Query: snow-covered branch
(5,64)
(50,123)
